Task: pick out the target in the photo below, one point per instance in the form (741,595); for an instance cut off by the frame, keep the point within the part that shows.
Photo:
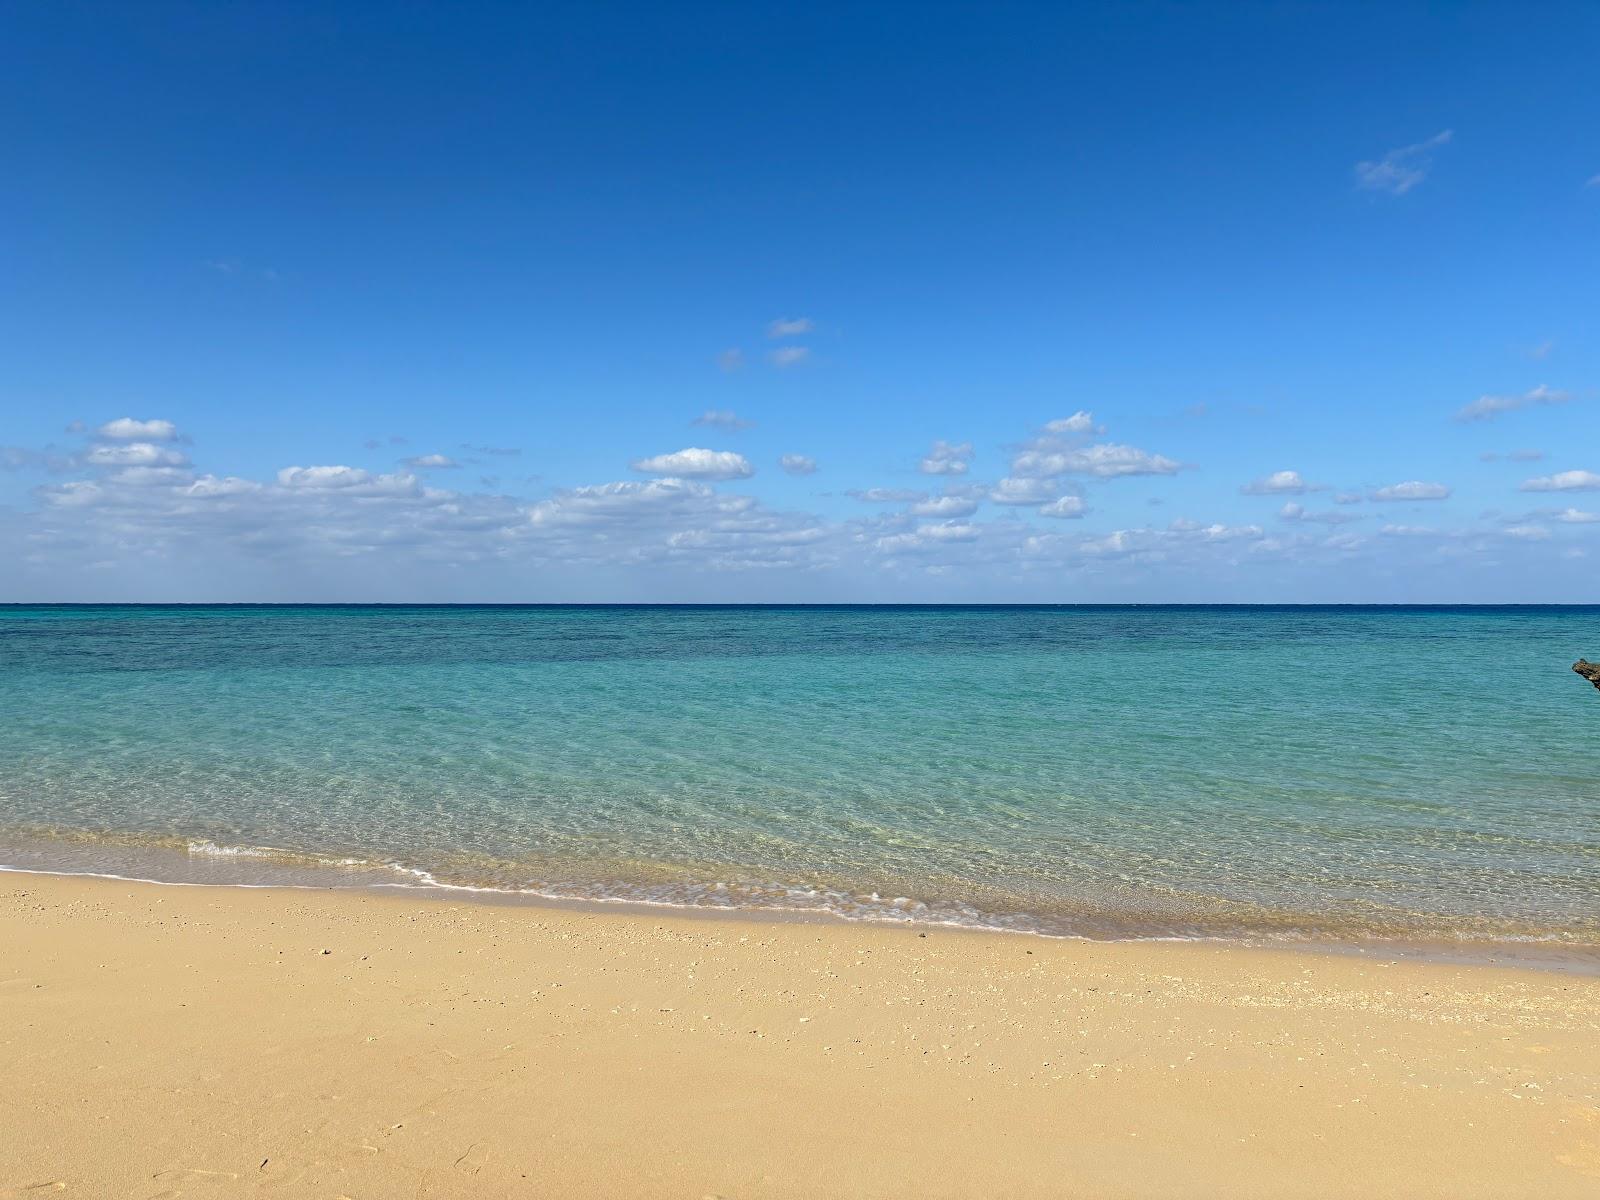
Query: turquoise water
(1294,772)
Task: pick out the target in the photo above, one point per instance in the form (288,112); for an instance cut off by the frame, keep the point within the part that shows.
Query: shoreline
(219,1040)
(1530,953)
(174,862)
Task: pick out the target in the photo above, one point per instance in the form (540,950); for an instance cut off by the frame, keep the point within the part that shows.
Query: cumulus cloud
(949,531)
(156,520)
(151,476)
(128,429)
(1066,447)
(1078,422)
(1067,507)
(663,520)
(697,463)
(434,462)
(785,327)
(798,464)
(1486,408)
(1278,483)
(134,454)
(1401,169)
(945,506)
(1216,531)
(1107,460)
(721,418)
(629,500)
(350,480)
(947,458)
(1411,489)
(1564,481)
(789,356)
(229,485)
(1183,538)
(323,477)
(1023,491)
(1297,512)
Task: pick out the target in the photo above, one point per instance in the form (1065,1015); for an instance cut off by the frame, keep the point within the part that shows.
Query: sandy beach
(191,1041)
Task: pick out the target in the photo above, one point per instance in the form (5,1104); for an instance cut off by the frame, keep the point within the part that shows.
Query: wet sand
(208,1042)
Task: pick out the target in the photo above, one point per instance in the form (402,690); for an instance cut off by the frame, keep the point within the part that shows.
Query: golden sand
(207,1042)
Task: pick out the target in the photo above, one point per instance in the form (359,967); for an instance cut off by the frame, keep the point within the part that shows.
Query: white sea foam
(212,850)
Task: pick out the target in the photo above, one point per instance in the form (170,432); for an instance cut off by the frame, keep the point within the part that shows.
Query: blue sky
(1120,302)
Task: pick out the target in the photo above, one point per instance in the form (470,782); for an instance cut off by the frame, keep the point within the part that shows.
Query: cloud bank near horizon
(127,514)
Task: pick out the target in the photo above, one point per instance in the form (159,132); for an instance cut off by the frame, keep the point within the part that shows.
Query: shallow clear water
(1293,771)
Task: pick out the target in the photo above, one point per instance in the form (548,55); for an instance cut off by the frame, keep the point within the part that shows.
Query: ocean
(1354,775)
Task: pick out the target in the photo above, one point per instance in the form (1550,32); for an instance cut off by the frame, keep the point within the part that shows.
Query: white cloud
(1216,531)
(697,463)
(1278,483)
(1067,507)
(74,493)
(790,327)
(1486,408)
(949,531)
(721,418)
(127,429)
(629,501)
(947,458)
(945,506)
(1078,422)
(798,464)
(349,480)
(296,528)
(1296,512)
(435,462)
(731,360)
(1106,460)
(1412,489)
(789,356)
(134,454)
(220,536)
(1400,170)
(151,476)
(323,477)
(212,485)
(1564,481)
(1183,538)
(1012,490)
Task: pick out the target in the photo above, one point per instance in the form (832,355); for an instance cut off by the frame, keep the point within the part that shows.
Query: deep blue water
(1410,772)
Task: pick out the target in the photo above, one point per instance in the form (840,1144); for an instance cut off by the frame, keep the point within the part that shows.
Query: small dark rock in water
(1589,670)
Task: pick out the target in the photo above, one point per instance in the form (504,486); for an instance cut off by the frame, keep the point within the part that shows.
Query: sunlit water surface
(1341,773)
